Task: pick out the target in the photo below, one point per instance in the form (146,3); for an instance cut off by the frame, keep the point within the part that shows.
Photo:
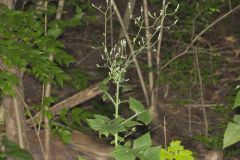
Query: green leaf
(76,115)
(143,142)
(103,86)
(63,115)
(152,153)
(145,117)
(142,114)
(48,114)
(136,106)
(19,154)
(123,153)
(105,97)
(237,100)
(81,158)
(236,119)
(105,126)
(47,101)
(65,135)
(14,151)
(7,83)
(175,152)
(175,147)
(55,33)
(231,135)
(99,124)
(130,124)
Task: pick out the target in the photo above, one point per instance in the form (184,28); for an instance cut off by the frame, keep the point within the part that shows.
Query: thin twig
(149,54)
(190,121)
(201,91)
(165,132)
(111,24)
(160,37)
(199,35)
(195,54)
(31,118)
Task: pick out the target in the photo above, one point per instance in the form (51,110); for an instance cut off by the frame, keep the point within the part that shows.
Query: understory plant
(117,61)
(175,151)
(26,47)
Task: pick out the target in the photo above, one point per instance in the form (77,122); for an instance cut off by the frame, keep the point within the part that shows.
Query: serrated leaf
(123,153)
(76,115)
(142,142)
(151,153)
(175,146)
(135,105)
(103,86)
(145,117)
(130,124)
(175,151)
(63,115)
(231,135)
(105,126)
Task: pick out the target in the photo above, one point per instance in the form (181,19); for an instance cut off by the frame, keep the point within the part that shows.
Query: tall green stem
(117,102)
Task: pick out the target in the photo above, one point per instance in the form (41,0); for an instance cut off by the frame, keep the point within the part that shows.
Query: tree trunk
(15,121)
(9,3)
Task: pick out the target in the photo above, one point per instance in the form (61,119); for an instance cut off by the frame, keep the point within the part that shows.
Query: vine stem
(117,102)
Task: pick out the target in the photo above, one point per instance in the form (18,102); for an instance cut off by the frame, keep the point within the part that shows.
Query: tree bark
(9,3)
(14,115)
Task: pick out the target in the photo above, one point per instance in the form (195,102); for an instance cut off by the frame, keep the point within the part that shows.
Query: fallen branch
(74,100)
